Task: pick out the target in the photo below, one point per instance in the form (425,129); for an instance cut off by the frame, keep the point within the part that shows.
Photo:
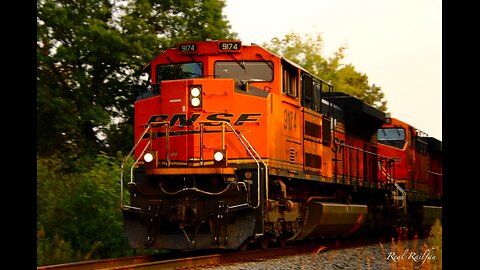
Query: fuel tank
(429,215)
(331,220)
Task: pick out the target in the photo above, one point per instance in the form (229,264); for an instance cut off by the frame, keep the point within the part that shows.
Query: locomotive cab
(416,167)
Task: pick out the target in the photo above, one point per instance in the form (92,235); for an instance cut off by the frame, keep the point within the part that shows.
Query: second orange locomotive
(234,144)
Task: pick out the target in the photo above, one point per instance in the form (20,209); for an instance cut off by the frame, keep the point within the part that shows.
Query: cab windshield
(253,71)
(179,71)
(392,136)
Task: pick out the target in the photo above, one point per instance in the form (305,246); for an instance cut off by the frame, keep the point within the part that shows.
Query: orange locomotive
(416,163)
(234,144)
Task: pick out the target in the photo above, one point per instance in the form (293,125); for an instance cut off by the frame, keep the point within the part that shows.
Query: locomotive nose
(180,106)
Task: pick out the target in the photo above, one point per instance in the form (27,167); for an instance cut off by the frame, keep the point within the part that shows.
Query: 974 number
(229,46)
(188,48)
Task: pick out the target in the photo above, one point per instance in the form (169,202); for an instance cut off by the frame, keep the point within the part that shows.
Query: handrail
(242,138)
(125,161)
(250,150)
(404,194)
(200,124)
(397,186)
(136,161)
(264,164)
(246,144)
(435,173)
(367,152)
(148,127)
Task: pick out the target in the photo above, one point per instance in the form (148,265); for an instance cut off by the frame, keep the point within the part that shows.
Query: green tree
(78,52)
(184,20)
(90,56)
(307,52)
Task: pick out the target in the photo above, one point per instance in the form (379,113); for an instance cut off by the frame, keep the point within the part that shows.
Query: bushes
(78,210)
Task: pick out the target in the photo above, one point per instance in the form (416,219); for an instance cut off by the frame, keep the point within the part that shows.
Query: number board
(230,46)
(188,48)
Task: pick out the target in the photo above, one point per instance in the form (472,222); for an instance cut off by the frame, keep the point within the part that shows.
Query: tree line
(90,55)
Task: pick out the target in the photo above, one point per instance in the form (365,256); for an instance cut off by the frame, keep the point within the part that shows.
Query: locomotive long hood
(360,118)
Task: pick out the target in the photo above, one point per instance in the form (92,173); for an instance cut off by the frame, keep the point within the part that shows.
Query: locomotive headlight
(195,92)
(148,157)
(196,96)
(195,102)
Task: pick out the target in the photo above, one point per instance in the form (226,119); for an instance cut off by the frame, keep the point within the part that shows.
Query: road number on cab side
(290,120)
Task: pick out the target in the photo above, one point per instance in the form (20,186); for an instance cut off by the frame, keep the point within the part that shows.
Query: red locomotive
(234,144)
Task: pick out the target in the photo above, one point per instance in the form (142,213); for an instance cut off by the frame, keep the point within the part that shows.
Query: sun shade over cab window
(179,71)
(391,136)
(261,71)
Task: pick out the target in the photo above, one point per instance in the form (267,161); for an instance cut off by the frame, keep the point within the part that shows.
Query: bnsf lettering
(218,117)
(158,118)
(182,120)
(253,117)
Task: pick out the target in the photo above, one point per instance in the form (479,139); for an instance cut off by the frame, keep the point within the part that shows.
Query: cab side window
(290,81)
(311,92)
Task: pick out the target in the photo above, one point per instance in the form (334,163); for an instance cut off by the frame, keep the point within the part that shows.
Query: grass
(425,257)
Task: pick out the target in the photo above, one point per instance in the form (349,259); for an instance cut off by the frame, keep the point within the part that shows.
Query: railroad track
(99,264)
(150,262)
(198,259)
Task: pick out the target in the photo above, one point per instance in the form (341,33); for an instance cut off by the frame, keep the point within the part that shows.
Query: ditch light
(220,157)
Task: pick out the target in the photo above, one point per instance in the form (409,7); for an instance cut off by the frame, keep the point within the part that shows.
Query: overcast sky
(397,44)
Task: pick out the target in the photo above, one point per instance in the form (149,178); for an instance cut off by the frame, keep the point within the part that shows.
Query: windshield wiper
(240,63)
(270,64)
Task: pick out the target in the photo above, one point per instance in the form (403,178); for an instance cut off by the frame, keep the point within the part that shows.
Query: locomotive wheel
(264,241)
(282,240)
(245,244)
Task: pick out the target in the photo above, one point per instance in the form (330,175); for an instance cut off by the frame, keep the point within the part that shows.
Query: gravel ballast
(408,254)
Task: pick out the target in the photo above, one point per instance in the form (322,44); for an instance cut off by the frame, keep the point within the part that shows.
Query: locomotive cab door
(175,104)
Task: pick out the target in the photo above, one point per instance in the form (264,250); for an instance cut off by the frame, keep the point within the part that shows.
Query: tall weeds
(428,256)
